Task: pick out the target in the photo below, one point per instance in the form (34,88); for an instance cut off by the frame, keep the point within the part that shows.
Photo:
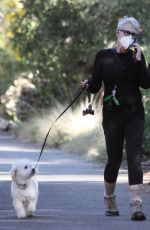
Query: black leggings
(116,130)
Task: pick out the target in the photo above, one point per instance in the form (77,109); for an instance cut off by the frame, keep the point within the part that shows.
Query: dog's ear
(13,173)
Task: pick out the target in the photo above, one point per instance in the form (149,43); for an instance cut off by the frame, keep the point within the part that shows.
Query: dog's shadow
(11,217)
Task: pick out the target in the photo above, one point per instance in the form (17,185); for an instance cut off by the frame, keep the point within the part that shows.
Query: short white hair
(128,20)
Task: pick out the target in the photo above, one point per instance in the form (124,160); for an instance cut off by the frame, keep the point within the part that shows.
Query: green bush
(146,99)
(9,68)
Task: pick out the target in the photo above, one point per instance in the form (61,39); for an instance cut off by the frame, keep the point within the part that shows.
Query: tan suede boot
(110,206)
(110,200)
(136,202)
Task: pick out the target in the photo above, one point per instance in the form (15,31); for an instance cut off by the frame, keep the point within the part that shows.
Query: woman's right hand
(84,84)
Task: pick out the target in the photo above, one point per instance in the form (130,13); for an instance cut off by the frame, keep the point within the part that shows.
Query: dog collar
(22,186)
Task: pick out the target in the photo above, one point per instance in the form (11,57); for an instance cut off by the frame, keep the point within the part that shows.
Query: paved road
(71,193)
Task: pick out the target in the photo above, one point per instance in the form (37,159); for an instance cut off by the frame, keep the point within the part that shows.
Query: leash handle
(55,122)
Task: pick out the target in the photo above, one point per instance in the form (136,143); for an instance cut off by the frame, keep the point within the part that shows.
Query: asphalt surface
(71,192)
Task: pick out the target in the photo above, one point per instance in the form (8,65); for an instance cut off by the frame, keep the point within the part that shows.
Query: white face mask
(126,41)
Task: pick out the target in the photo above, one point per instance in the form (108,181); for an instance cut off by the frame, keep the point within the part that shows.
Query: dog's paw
(29,214)
(20,217)
(31,208)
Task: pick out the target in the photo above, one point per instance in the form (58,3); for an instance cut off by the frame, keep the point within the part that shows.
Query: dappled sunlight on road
(54,166)
(4,176)
(16,149)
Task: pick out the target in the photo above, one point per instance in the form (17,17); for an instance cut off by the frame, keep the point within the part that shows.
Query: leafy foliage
(57,40)
(9,67)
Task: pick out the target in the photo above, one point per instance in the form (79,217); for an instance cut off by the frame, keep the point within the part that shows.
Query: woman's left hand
(137,48)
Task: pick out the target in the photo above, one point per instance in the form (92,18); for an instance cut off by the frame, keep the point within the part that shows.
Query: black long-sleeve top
(129,79)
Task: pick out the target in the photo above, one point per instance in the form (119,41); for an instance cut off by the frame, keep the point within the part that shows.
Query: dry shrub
(72,132)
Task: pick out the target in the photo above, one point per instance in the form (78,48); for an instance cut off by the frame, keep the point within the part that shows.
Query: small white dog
(24,188)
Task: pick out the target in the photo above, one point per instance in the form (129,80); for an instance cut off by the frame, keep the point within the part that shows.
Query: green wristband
(115,100)
(108,98)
